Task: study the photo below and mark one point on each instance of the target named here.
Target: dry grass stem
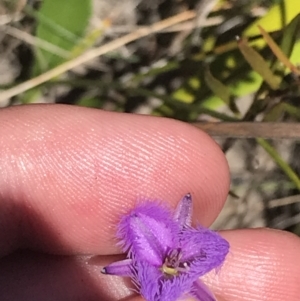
(29, 39)
(93, 53)
(284, 201)
(190, 25)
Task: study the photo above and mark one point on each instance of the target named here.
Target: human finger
(69, 173)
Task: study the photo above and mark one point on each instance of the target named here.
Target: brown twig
(268, 130)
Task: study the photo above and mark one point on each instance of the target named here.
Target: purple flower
(165, 255)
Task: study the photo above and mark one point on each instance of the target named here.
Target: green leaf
(220, 90)
(217, 87)
(289, 36)
(275, 112)
(62, 23)
(257, 62)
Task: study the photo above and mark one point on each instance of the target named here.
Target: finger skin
(32, 276)
(263, 265)
(69, 173)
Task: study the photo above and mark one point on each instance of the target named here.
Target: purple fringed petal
(119, 268)
(201, 292)
(184, 211)
(154, 286)
(148, 232)
(203, 249)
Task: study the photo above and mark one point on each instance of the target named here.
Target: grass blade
(258, 64)
(279, 161)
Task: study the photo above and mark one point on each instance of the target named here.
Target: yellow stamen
(169, 271)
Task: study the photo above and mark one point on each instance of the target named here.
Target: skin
(69, 173)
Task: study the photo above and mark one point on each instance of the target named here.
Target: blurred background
(229, 67)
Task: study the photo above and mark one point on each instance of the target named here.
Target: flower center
(172, 264)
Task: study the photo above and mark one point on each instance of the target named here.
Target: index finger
(68, 173)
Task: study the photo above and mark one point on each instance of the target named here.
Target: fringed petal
(153, 285)
(203, 250)
(148, 232)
